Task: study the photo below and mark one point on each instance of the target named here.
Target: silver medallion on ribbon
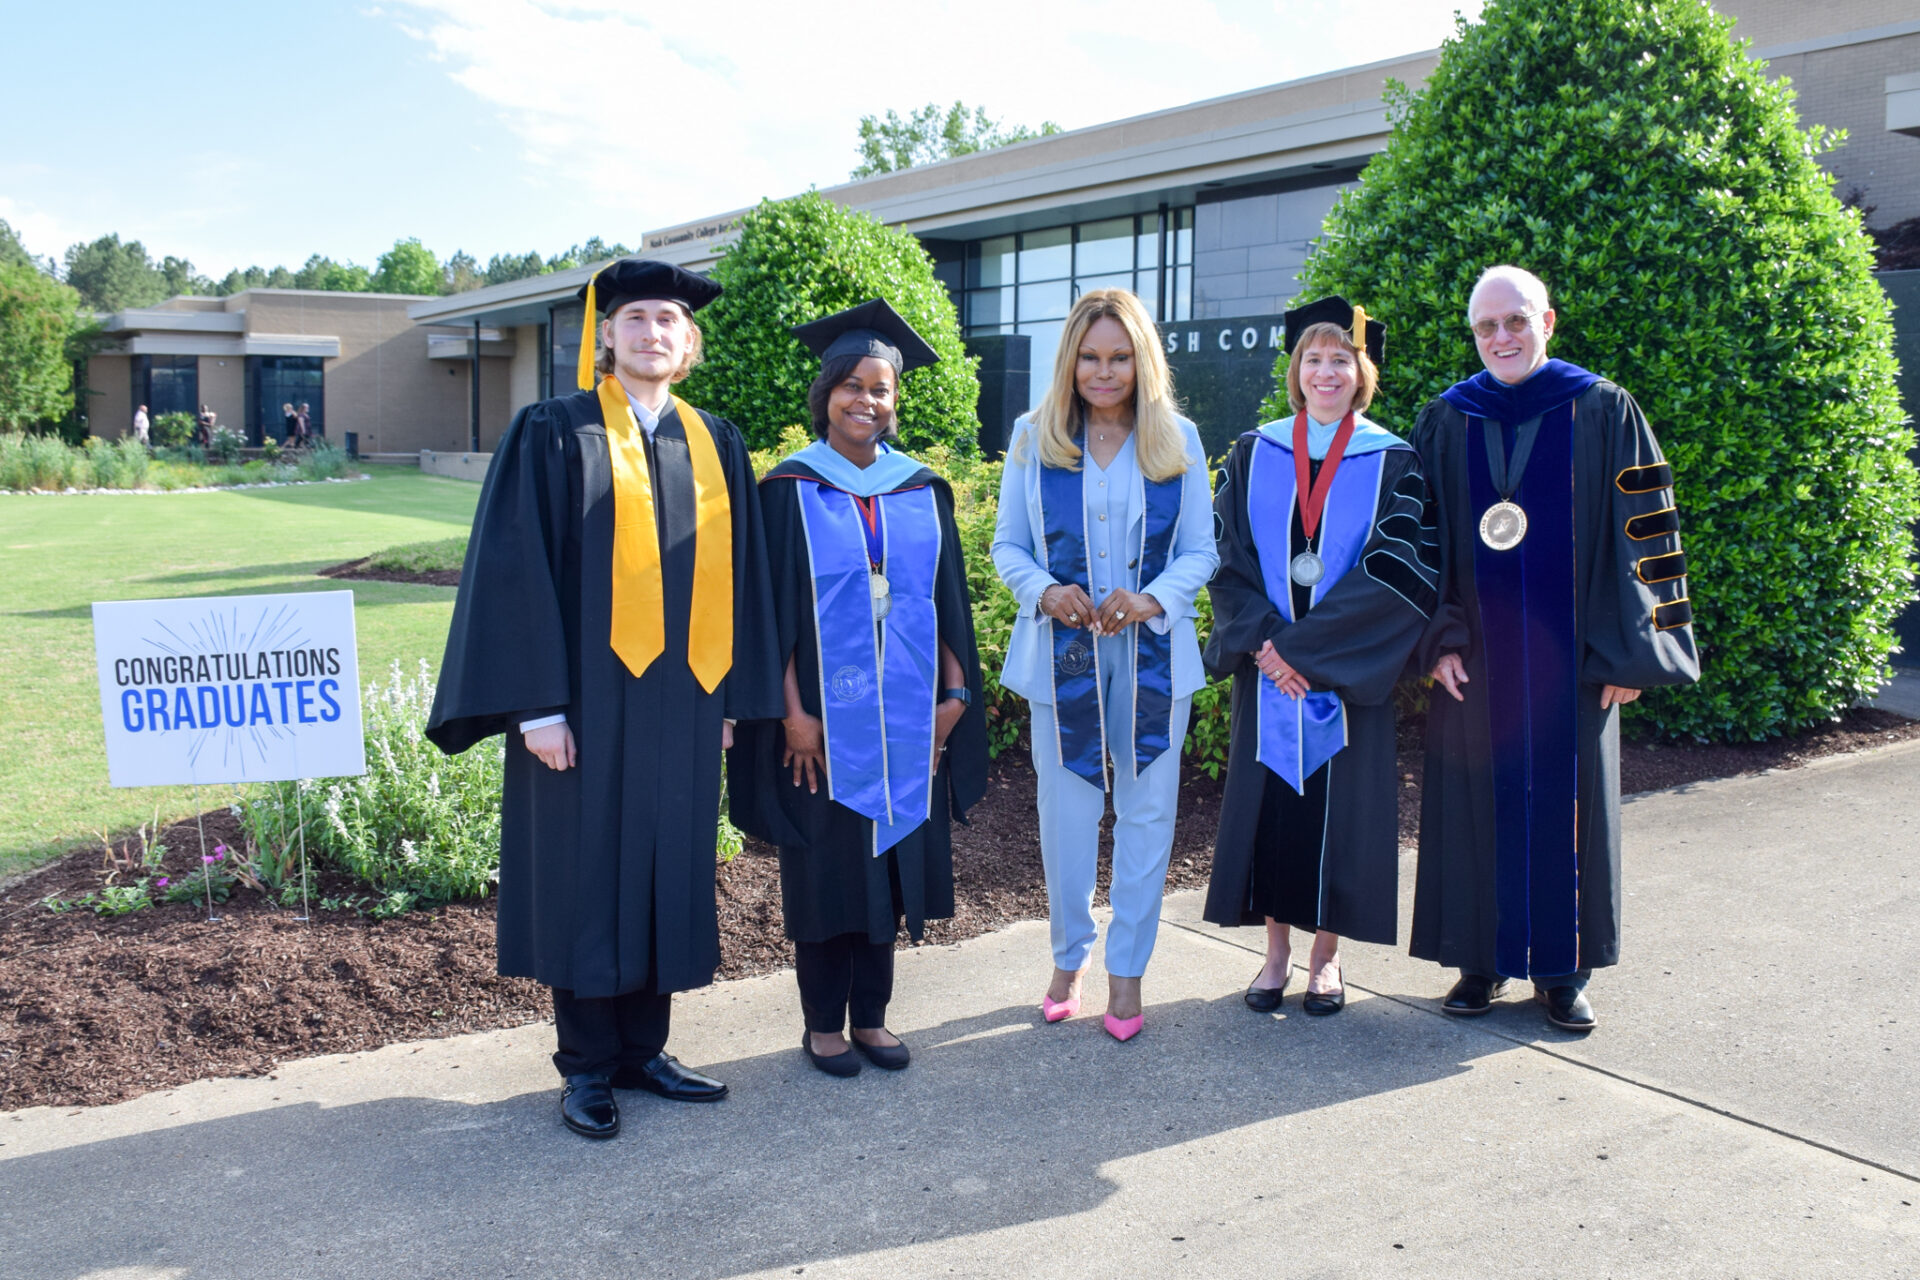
(1502, 525)
(882, 592)
(1307, 569)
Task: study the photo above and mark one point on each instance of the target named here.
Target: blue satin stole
(1079, 703)
(1299, 736)
(877, 680)
(1527, 601)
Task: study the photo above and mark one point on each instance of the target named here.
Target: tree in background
(408, 267)
(803, 258)
(1632, 156)
(255, 278)
(324, 273)
(935, 133)
(38, 319)
(111, 276)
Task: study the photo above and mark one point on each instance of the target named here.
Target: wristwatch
(963, 693)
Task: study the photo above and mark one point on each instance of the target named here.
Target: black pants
(844, 975)
(602, 1035)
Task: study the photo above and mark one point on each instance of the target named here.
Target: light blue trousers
(1143, 814)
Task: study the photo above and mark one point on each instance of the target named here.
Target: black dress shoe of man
(888, 1057)
(587, 1106)
(1473, 995)
(1567, 1007)
(663, 1074)
(843, 1064)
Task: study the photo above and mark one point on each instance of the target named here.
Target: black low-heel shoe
(1322, 1003)
(587, 1107)
(1267, 999)
(839, 1064)
(888, 1057)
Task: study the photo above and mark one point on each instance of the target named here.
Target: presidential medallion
(1307, 569)
(882, 594)
(1503, 525)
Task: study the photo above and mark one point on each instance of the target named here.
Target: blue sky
(238, 134)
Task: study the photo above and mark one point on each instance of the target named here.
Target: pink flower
(207, 858)
(162, 882)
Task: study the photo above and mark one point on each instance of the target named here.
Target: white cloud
(660, 113)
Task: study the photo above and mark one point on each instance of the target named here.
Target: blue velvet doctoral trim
(877, 682)
(1368, 436)
(1528, 633)
(889, 470)
(1079, 703)
(1550, 386)
(1297, 737)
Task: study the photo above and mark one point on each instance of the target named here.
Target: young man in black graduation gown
(1563, 595)
(847, 877)
(613, 618)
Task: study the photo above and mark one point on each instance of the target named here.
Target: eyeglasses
(1515, 323)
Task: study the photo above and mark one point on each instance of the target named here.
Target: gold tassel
(584, 375)
(1360, 328)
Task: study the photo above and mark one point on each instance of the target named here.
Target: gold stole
(639, 600)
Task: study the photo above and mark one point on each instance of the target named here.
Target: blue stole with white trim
(1298, 736)
(877, 680)
(1079, 705)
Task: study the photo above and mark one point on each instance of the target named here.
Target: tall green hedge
(1628, 153)
(805, 257)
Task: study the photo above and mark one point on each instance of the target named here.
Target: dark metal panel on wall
(1006, 364)
(1222, 370)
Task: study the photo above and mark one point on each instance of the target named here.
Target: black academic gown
(830, 882)
(1614, 639)
(1328, 859)
(607, 869)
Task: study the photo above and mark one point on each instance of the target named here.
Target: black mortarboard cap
(871, 329)
(1335, 309)
(629, 280)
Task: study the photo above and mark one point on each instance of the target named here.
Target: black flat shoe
(843, 1064)
(1322, 1003)
(665, 1075)
(888, 1057)
(588, 1108)
(1267, 999)
(1567, 1008)
(1473, 995)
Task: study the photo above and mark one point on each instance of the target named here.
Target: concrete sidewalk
(1749, 1107)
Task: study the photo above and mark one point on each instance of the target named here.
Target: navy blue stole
(877, 680)
(1528, 635)
(1298, 736)
(1079, 705)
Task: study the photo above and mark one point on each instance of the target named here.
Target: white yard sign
(229, 689)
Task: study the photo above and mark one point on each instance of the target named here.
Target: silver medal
(1503, 525)
(882, 594)
(1307, 569)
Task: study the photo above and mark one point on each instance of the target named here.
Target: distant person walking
(140, 425)
(203, 427)
(292, 433)
(305, 417)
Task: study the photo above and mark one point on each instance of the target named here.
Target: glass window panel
(990, 262)
(1147, 243)
(1050, 301)
(1046, 255)
(1147, 285)
(1182, 237)
(294, 380)
(1046, 338)
(1104, 248)
(989, 307)
(1118, 280)
(1182, 293)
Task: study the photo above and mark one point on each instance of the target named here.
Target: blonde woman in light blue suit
(1105, 537)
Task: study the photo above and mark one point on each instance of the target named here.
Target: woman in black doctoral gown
(882, 743)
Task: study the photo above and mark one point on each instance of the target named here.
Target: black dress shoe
(588, 1108)
(1267, 999)
(843, 1064)
(1473, 995)
(888, 1057)
(1322, 1003)
(1567, 1007)
(663, 1074)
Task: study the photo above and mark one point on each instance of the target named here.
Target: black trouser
(600, 1035)
(844, 975)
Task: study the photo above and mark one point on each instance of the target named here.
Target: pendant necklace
(1307, 568)
(879, 590)
(1504, 524)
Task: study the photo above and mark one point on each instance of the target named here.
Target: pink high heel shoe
(1125, 1029)
(1055, 1012)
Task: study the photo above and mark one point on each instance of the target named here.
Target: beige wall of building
(523, 371)
(109, 396)
(223, 387)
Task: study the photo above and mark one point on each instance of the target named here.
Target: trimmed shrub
(1631, 155)
(170, 430)
(805, 257)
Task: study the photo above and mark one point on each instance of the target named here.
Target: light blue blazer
(1017, 539)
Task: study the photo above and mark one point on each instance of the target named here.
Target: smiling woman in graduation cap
(1327, 578)
(882, 742)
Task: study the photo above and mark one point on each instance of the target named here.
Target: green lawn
(60, 554)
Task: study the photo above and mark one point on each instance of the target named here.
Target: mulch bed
(99, 1010)
(362, 571)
